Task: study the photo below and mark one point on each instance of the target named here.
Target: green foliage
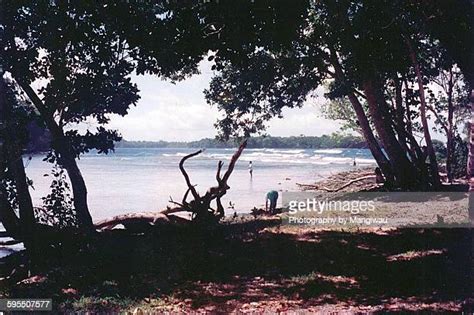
(459, 158)
(450, 91)
(335, 140)
(341, 109)
(84, 70)
(83, 143)
(460, 155)
(440, 150)
(58, 209)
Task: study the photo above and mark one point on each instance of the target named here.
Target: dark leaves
(102, 140)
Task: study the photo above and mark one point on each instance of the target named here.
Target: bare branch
(440, 119)
(358, 93)
(174, 202)
(218, 173)
(233, 160)
(186, 176)
(220, 208)
(185, 197)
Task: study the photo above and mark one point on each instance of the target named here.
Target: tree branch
(233, 160)
(186, 176)
(443, 125)
(218, 173)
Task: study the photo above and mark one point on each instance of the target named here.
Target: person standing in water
(250, 169)
(272, 197)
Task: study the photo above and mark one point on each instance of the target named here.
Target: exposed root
(200, 206)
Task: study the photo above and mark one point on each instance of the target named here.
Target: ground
(253, 265)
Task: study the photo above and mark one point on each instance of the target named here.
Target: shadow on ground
(253, 266)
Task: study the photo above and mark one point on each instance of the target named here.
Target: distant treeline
(40, 142)
(301, 142)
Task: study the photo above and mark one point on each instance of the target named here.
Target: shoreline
(139, 180)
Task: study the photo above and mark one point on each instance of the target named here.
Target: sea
(146, 179)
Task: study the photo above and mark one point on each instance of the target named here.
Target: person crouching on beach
(272, 197)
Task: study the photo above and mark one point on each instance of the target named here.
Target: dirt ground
(255, 265)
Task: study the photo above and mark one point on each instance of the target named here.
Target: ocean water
(143, 179)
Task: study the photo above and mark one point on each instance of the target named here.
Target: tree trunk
(400, 111)
(25, 204)
(416, 153)
(364, 124)
(405, 172)
(424, 122)
(13, 150)
(79, 188)
(470, 162)
(200, 207)
(67, 158)
(404, 137)
(10, 221)
(449, 131)
(372, 142)
(409, 126)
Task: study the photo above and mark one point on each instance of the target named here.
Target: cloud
(179, 111)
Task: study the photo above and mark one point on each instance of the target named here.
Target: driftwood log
(200, 207)
(317, 187)
(139, 221)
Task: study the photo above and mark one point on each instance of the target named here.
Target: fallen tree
(319, 187)
(200, 207)
(139, 221)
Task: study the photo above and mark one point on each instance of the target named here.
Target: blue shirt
(272, 195)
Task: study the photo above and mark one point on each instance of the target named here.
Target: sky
(179, 112)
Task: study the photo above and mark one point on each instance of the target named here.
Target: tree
(200, 207)
(423, 118)
(85, 76)
(7, 214)
(341, 109)
(364, 47)
(451, 23)
(280, 72)
(15, 138)
(81, 54)
(447, 101)
(470, 161)
(14, 184)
